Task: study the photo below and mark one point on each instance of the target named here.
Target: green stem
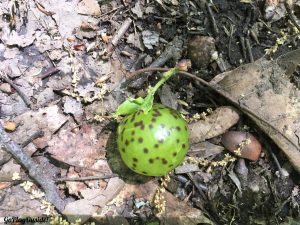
(133, 105)
(148, 102)
(165, 77)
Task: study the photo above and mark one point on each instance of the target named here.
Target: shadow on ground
(117, 165)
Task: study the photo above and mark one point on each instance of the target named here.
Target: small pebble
(10, 126)
(6, 88)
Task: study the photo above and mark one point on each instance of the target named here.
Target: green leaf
(129, 106)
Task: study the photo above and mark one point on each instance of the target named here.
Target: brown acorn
(242, 144)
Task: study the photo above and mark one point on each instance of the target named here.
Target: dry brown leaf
(177, 212)
(9, 169)
(79, 209)
(142, 191)
(4, 157)
(77, 187)
(73, 107)
(204, 149)
(215, 124)
(81, 147)
(93, 199)
(73, 186)
(89, 7)
(48, 119)
(101, 197)
(187, 168)
(167, 97)
(18, 202)
(274, 10)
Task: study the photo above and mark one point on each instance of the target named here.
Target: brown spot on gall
(140, 140)
(134, 159)
(164, 161)
(146, 150)
(151, 161)
(156, 113)
(156, 146)
(126, 142)
(174, 154)
(139, 124)
(133, 118)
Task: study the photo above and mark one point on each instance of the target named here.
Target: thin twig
(242, 41)
(221, 93)
(100, 177)
(22, 95)
(50, 72)
(211, 15)
(269, 149)
(62, 179)
(111, 11)
(291, 15)
(232, 30)
(42, 9)
(115, 40)
(29, 140)
(172, 51)
(35, 135)
(34, 170)
(249, 49)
